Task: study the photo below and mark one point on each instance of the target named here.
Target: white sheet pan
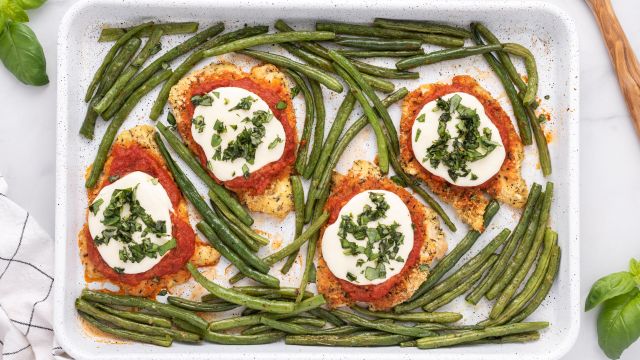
(546, 30)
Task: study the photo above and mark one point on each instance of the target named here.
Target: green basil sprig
(20, 50)
(619, 318)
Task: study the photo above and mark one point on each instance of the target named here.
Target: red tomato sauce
(127, 159)
(257, 181)
(345, 192)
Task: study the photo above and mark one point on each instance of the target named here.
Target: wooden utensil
(622, 56)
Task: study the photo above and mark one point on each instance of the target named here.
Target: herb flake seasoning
(468, 146)
(382, 241)
(244, 104)
(123, 217)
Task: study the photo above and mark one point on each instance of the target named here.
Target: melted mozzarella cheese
(483, 168)
(153, 198)
(224, 99)
(340, 264)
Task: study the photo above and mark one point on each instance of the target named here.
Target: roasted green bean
(126, 334)
(109, 77)
(182, 69)
(379, 53)
(298, 206)
(536, 242)
(138, 302)
(466, 270)
(422, 27)
(112, 130)
(420, 317)
(462, 288)
(222, 230)
(378, 44)
(139, 317)
(307, 70)
(159, 63)
(96, 313)
(291, 247)
(233, 258)
(173, 28)
(473, 335)
(505, 255)
(444, 55)
(364, 30)
(383, 153)
(97, 77)
(151, 47)
(194, 164)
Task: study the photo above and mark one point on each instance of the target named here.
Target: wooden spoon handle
(622, 56)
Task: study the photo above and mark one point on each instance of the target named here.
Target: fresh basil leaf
(619, 323)
(21, 53)
(12, 10)
(634, 269)
(609, 287)
(30, 4)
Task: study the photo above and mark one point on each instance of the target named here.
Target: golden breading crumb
(277, 198)
(507, 186)
(204, 254)
(434, 247)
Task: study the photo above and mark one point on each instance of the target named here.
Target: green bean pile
(515, 270)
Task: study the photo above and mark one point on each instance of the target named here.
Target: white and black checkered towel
(26, 282)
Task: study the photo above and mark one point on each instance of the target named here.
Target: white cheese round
(424, 133)
(341, 264)
(224, 99)
(153, 198)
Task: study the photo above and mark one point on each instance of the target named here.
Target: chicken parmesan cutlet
(378, 241)
(242, 126)
(461, 143)
(137, 233)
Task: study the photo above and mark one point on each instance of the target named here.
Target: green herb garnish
(201, 100)
(382, 241)
(245, 170)
(281, 105)
(198, 123)
(468, 146)
(95, 206)
(215, 140)
(275, 143)
(244, 104)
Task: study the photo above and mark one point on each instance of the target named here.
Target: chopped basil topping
(420, 118)
(114, 178)
(245, 170)
(202, 100)
(198, 122)
(245, 145)
(382, 241)
(281, 105)
(216, 94)
(119, 270)
(215, 140)
(418, 134)
(244, 104)
(162, 292)
(468, 146)
(275, 142)
(234, 127)
(219, 127)
(95, 206)
(351, 277)
(136, 252)
(123, 217)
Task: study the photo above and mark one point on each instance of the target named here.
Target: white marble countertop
(609, 158)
